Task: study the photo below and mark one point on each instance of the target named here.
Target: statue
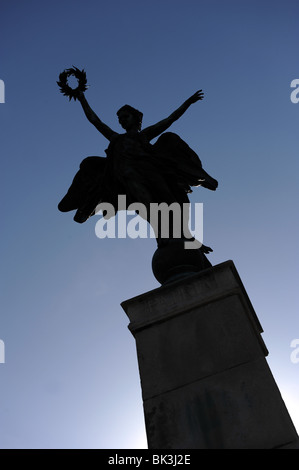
(145, 173)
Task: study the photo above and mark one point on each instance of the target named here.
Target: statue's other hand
(199, 95)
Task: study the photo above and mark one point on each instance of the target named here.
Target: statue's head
(129, 117)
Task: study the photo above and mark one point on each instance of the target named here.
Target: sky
(70, 377)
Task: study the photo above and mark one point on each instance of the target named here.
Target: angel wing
(90, 186)
(182, 162)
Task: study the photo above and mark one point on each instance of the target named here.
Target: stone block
(205, 381)
(240, 408)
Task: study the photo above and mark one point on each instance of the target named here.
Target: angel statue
(144, 172)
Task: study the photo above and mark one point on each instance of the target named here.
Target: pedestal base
(204, 377)
(173, 261)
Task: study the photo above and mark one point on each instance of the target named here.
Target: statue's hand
(196, 97)
(81, 95)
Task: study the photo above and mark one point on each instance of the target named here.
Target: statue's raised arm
(94, 119)
(155, 130)
(78, 94)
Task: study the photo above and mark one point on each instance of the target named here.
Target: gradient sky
(70, 378)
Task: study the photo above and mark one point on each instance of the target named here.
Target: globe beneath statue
(173, 261)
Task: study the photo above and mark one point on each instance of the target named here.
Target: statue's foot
(161, 242)
(205, 249)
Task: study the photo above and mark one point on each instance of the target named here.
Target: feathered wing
(90, 186)
(182, 163)
(191, 172)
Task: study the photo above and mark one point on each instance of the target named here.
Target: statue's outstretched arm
(161, 126)
(95, 120)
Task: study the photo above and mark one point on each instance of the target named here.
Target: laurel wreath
(64, 86)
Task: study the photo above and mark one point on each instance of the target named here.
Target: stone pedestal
(204, 377)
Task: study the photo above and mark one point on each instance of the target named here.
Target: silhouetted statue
(161, 172)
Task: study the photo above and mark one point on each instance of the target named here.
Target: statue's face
(127, 120)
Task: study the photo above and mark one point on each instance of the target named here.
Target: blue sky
(70, 378)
